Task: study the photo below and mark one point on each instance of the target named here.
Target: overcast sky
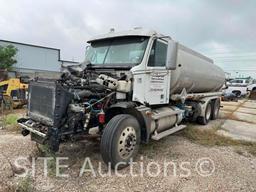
(224, 30)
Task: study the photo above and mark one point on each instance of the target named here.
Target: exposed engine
(72, 104)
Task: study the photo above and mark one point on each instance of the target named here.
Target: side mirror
(171, 57)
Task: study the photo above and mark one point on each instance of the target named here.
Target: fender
(141, 113)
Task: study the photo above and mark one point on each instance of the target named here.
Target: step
(158, 136)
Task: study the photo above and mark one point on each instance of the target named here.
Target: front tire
(120, 141)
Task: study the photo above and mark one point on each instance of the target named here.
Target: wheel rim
(208, 112)
(127, 142)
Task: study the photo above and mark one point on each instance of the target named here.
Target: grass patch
(25, 185)
(44, 151)
(11, 119)
(209, 137)
(9, 122)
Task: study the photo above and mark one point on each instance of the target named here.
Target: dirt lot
(232, 166)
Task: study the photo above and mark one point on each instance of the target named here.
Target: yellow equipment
(13, 93)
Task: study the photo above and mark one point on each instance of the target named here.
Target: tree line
(7, 57)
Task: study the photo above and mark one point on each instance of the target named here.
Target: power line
(228, 52)
(251, 70)
(234, 59)
(231, 53)
(234, 56)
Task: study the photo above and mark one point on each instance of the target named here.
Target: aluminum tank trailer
(133, 86)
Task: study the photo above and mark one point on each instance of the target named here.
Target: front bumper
(32, 130)
(28, 127)
(40, 134)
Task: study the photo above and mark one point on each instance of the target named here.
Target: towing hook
(24, 132)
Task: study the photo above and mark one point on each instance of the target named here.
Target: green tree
(7, 56)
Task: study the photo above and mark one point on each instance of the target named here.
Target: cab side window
(158, 54)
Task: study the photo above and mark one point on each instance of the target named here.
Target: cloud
(205, 25)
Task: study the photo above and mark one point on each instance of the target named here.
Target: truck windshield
(124, 50)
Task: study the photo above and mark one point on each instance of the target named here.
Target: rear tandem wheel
(204, 120)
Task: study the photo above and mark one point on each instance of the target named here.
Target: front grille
(48, 102)
(41, 102)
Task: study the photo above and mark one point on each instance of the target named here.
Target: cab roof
(133, 32)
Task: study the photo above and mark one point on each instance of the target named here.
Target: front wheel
(120, 141)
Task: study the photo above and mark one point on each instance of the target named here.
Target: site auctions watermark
(204, 167)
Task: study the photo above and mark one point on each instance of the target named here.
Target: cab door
(152, 78)
(157, 86)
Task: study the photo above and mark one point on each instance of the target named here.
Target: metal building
(34, 60)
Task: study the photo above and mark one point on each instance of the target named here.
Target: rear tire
(203, 120)
(120, 141)
(215, 109)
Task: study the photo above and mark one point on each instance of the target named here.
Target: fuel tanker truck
(133, 86)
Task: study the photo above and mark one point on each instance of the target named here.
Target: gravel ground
(229, 168)
(233, 171)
